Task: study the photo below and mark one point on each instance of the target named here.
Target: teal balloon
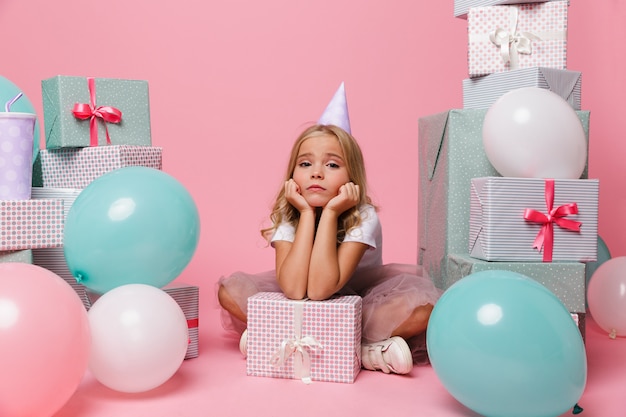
(603, 255)
(503, 345)
(134, 225)
(8, 90)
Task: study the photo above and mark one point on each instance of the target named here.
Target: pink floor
(215, 384)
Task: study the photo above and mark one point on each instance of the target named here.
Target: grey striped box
(461, 7)
(499, 232)
(482, 92)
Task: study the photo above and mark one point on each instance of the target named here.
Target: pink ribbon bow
(545, 237)
(85, 111)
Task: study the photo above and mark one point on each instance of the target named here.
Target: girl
(327, 240)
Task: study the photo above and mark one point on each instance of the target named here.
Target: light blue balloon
(505, 346)
(603, 255)
(134, 225)
(8, 90)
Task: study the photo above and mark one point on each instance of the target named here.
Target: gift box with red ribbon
(78, 167)
(31, 224)
(87, 111)
(304, 339)
(533, 219)
(502, 38)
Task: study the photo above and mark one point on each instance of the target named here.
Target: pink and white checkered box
(502, 38)
(78, 167)
(31, 224)
(304, 339)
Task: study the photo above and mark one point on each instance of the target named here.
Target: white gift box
(520, 219)
(482, 92)
(304, 339)
(503, 38)
(461, 7)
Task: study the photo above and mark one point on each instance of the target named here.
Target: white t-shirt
(368, 232)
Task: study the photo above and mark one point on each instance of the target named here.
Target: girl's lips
(316, 188)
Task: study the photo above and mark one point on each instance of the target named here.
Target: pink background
(232, 83)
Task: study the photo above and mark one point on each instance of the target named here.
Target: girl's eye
(333, 165)
(304, 164)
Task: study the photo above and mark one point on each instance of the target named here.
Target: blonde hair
(283, 211)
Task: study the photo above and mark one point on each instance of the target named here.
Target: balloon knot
(78, 278)
(613, 334)
(577, 409)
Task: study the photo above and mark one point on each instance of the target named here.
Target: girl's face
(320, 169)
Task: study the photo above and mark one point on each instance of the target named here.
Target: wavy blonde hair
(283, 211)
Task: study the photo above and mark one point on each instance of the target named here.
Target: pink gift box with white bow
(304, 339)
(503, 38)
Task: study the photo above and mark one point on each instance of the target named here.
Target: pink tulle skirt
(390, 293)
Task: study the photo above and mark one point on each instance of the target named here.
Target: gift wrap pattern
(31, 224)
(78, 167)
(482, 92)
(451, 153)
(304, 339)
(63, 129)
(500, 231)
(24, 256)
(461, 7)
(503, 38)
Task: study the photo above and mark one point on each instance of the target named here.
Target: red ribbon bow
(545, 237)
(84, 111)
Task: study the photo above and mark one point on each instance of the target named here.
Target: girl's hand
(348, 197)
(293, 196)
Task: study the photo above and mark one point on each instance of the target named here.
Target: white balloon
(534, 133)
(139, 338)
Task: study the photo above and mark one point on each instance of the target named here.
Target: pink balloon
(534, 133)
(140, 338)
(606, 296)
(44, 341)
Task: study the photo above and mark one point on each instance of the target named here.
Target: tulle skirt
(390, 293)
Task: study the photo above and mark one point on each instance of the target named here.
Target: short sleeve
(369, 231)
(284, 231)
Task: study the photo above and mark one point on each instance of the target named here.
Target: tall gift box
(533, 219)
(87, 111)
(461, 7)
(78, 167)
(502, 38)
(451, 153)
(482, 92)
(304, 339)
(565, 279)
(31, 224)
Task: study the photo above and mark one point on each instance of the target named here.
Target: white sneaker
(243, 343)
(391, 355)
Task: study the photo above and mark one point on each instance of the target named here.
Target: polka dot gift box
(87, 111)
(304, 339)
(31, 224)
(461, 7)
(503, 38)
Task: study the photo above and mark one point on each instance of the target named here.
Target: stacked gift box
(94, 126)
(469, 214)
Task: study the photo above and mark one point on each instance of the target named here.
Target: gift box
(31, 224)
(482, 92)
(53, 259)
(187, 298)
(87, 111)
(533, 219)
(565, 279)
(78, 167)
(68, 195)
(23, 256)
(461, 7)
(502, 38)
(450, 154)
(304, 339)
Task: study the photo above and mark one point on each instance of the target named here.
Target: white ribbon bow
(298, 346)
(511, 42)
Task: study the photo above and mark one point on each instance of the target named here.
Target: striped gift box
(31, 224)
(503, 38)
(304, 339)
(482, 92)
(506, 219)
(78, 167)
(461, 7)
(188, 297)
